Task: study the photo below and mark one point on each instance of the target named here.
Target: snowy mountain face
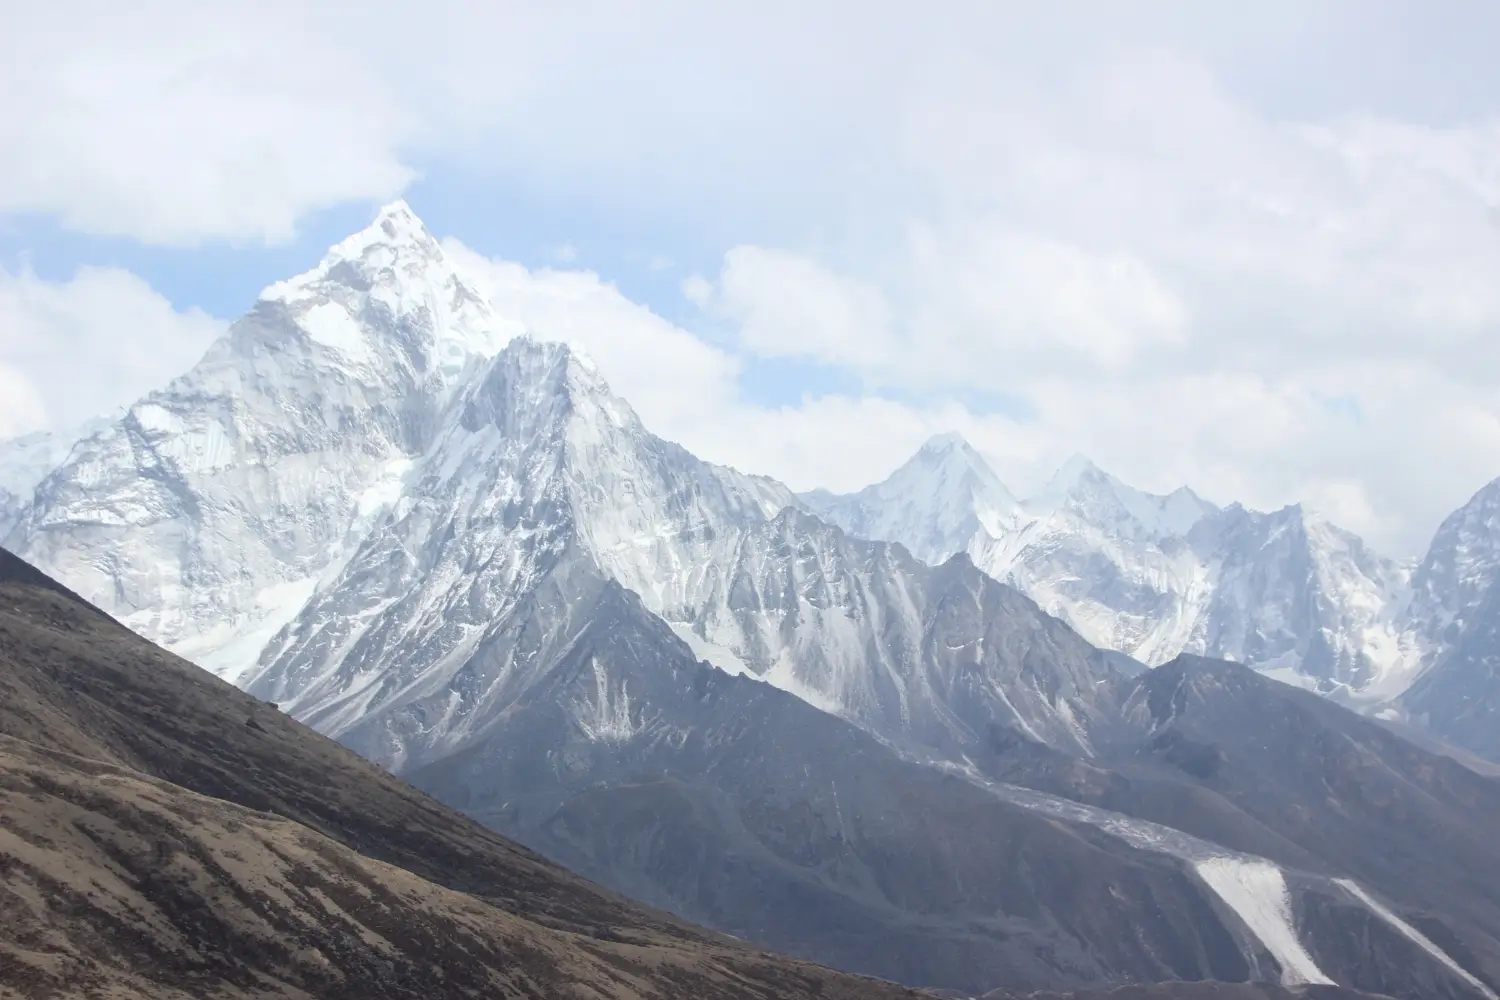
(1304, 601)
(1454, 613)
(933, 504)
(464, 596)
(1155, 576)
(25, 461)
(207, 515)
(1459, 569)
(465, 591)
(455, 549)
(373, 503)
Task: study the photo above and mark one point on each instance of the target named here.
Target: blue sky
(1249, 250)
(224, 278)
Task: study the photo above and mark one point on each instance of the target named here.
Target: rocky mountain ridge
(449, 545)
(1156, 576)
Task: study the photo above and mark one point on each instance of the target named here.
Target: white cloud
(787, 305)
(697, 290)
(687, 390)
(23, 410)
(175, 121)
(75, 349)
(1013, 300)
(1042, 299)
(671, 377)
(1190, 290)
(1210, 244)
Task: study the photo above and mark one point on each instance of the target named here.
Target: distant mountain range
(908, 732)
(1153, 577)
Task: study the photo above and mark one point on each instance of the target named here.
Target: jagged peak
(1186, 493)
(947, 443)
(530, 373)
(1081, 485)
(1312, 519)
(395, 226)
(1484, 500)
(1078, 471)
(951, 458)
(395, 262)
(575, 359)
(399, 211)
(1077, 480)
(396, 236)
(953, 448)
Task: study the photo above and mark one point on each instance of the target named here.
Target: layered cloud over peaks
(1053, 235)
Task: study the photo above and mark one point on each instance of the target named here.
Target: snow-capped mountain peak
(1077, 473)
(1153, 576)
(396, 231)
(1462, 563)
(539, 480)
(949, 460)
(393, 274)
(1454, 614)
(950, 443)
(949, 467)
(396, 240)
(1083, 488)
(226, 497)
(932, 504)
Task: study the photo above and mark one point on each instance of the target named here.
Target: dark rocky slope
(164, 835)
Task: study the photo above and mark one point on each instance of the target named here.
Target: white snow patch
(329, 324)
(1288, 670)
(1253, 887)
(1417, 937)
(1070, 719)
(607, 720)
(1256, 890)
(156, 419)
(386, 490)
(719, 656)
(999, 688)
(231, 650)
